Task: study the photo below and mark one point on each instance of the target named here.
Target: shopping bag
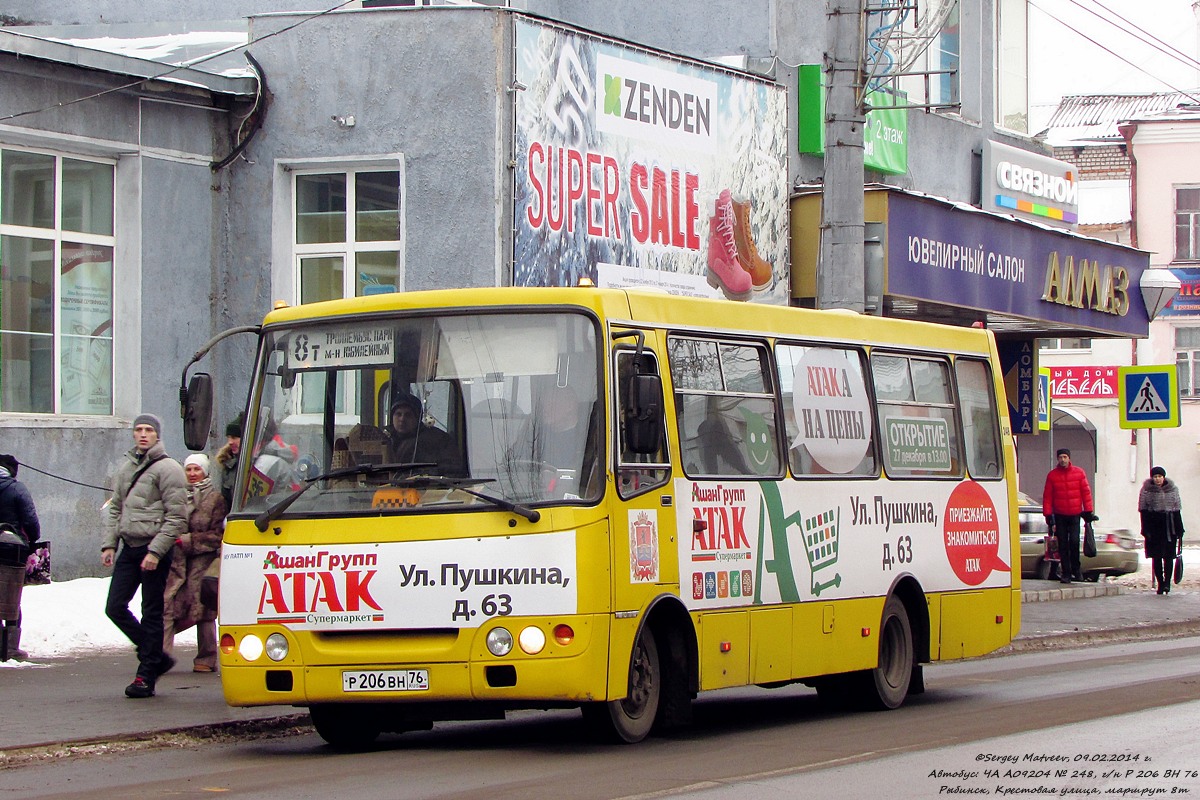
(37, 565)
(1089, 540)
(1051, 551)
(208, 584)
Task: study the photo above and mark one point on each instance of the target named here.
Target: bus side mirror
(644, 416)
(197, 411)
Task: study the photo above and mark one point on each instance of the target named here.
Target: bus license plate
(385, 680)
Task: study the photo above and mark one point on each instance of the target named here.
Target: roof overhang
(108, 56)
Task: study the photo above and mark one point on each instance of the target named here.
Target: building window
(1072, 343)
(56, 284)
(930, 75)
(1187, 223)
(1012, 52)
(1187, 361)
(348, 234)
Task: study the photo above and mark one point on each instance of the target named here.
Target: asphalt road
(743, 741)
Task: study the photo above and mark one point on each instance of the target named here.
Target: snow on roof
(209, 48)
(1094, 117)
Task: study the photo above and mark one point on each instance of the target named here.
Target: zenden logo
(660, 106)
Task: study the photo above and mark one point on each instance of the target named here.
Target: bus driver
(410, 440)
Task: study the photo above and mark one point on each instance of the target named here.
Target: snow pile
(67, 618)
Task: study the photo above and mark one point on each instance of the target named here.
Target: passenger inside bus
(410, 440)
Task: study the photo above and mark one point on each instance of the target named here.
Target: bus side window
(827, 411)
(726, 408)
(917, 423)
(981, 434)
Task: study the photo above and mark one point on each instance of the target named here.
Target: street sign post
(1043, 399)
(1148, 396)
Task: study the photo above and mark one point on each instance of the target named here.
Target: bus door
(643, 509)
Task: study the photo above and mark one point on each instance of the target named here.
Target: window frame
(770, 393)
(60, 237)
(957, 451)
(993, 418)
(919, 81)
(864, 361)
(1188, 389)
(1193, 224)
(348, 249)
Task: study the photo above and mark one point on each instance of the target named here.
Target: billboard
(950, 254)
(635, 169)
(1187, 302)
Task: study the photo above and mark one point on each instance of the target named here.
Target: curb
(239, 730)
(1071, 591)
(1083, 638)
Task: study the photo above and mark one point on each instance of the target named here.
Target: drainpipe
(1128, 131)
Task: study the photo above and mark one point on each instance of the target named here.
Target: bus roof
(659, 309)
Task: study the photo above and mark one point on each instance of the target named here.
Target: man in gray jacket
(146, 514)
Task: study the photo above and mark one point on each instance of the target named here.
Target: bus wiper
(460, 484)
(263, 520)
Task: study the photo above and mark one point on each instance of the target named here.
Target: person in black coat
(1162, 524)
(17, 509)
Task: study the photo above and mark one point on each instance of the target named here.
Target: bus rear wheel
(886, 685)
(631, 719)
(345, 727)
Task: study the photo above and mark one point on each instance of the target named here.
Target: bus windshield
(425, 413)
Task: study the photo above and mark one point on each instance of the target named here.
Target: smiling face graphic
(760, 444)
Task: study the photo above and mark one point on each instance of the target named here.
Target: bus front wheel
(345, 727)
(886, 686)
(630, 719)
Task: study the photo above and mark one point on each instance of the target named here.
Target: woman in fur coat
(1162, 525)
(194, 552)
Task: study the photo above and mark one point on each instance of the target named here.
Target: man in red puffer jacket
(1067, 499)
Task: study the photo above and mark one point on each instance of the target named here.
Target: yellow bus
(457, 503)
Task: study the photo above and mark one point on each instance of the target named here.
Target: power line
(1141, 34)
(178, 68)
(61, 478)
(1083, 35)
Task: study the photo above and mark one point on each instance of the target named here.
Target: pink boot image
(725, 272)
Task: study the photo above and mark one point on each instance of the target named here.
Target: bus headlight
(250, 648)
(532, 640)
(277, 647)
(499, 641)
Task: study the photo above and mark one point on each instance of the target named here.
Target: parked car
(1117, 549)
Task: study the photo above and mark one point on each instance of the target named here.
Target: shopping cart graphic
(821, 547)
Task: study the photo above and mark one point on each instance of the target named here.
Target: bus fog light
(532, 640)
(250, 648)
(563, 634)
(277, 647)
(499, 641)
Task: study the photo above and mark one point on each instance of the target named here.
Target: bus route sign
(1148, 396)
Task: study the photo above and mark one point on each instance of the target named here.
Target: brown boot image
(760, 270)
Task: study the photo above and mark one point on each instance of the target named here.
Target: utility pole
(840, 272)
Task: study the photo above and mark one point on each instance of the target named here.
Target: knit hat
(151, 420)
(407, 400)
(9, 463)
(1062, 451)
(198, 459)
(234, 429)
(1157, 471)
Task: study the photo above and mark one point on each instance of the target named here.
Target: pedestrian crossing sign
(1148, 396)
